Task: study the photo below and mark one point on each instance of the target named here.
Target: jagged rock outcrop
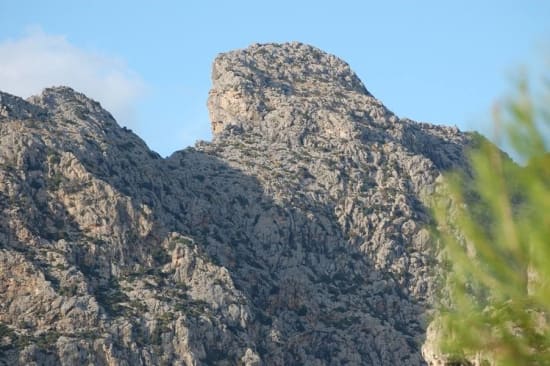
(297, 236)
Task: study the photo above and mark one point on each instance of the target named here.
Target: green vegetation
(110, 296)
(160, 255)
(5, 331)
(494, 224)
(46, 340)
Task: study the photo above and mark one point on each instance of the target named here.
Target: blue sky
(149, 62)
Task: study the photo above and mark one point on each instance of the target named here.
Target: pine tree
(494, 225)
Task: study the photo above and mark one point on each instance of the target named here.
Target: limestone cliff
(296, 237)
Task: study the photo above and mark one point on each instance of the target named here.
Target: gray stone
(297, 236)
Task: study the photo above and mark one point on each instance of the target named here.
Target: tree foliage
(494, 224)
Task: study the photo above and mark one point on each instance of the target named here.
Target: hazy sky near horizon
(149, 62)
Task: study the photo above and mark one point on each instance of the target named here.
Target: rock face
(296, 237)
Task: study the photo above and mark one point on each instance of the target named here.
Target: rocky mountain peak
(289, 92)
(296, 237)
(66, 104)
(16, 108)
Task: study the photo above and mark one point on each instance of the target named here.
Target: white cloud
(39, 60)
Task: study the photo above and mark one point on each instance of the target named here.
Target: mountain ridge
(297, 236)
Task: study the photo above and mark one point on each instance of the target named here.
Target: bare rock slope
(296, 237)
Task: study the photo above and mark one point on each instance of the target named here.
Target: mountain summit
(296, 237)
(319, 93)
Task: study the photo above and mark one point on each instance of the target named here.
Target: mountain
(298, 236)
